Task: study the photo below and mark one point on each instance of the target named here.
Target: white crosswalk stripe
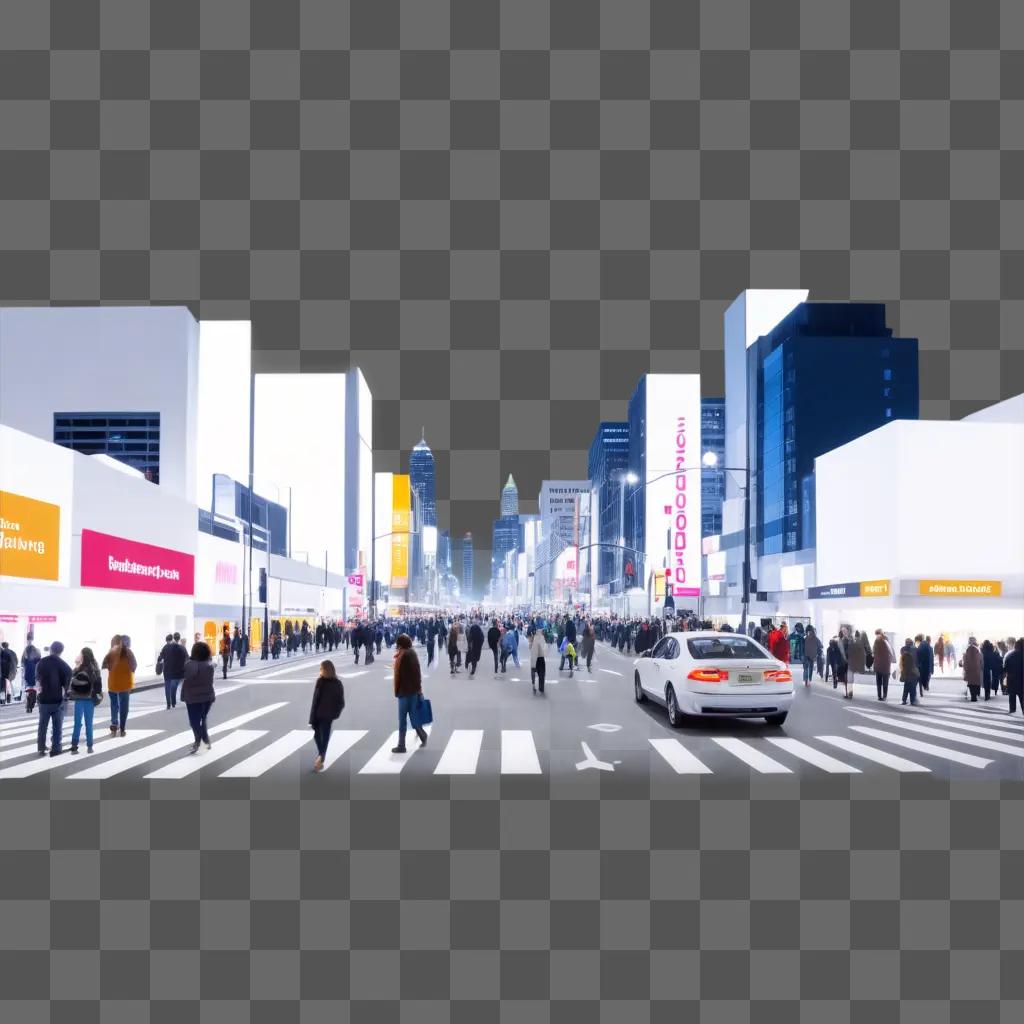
(384, 762)
(900, 764)
(984, 726)
(1001, 721)
(956, 735)
(925, 748)
(263, 760)
(462, 753)
(811, 756)
(29, 725)
(519, 753)
(194, 762)
(679, 759)
(343, 740)
(754, 758)
(170, 745)
(38, 765)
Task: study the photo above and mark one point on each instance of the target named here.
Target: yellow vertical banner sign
(401, 515)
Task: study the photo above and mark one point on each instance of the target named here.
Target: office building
(712, 478)
(422, 475)
(509, 498)
(358, 471)
(607, 464)
(468, 588)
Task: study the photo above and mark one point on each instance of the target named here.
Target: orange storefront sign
(874, 588)
(29, 537)
(960, 588)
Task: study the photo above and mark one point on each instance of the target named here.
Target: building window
(887, 374)
(888, 413)
(130, 437)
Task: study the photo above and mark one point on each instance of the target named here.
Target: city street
(487, 728)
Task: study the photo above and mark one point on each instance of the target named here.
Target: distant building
(606, 465)
(422, 475)
(509, 498)
(467, 565)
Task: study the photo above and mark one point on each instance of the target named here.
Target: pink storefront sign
(115, 563)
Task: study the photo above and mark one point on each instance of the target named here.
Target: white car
(706, 673)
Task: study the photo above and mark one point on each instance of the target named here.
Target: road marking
(192, 763)
(590, 760)
(45, 764)
(945, 734)
(384, 762)
(605, 727)
(611, 671)
(343, 740)
(18, 730)
(1005, 729)
(679, 759)
(811, 756)
(304, 667)
(461, 753)
(900, 764)
(518, 753)
(263, 760)
(746, 753)
(170, 745)
(925, 748)
(1004, 722)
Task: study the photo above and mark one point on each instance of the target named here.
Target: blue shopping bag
(422, 713)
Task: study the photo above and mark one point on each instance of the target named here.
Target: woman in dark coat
(587, 643)
(197, 692)
(991, 669)
(328, 704)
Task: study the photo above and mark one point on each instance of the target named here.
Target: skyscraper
(712, 479)
(421, 473)
(606, 465)
(509, 498)
(467, 565)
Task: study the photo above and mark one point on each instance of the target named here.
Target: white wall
(300, 443)
(1009, 411)
(880, 516)
(105, 359)
(222, 406)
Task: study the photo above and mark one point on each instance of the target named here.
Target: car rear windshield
(716, 648)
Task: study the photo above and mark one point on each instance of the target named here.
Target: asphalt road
(494, 731)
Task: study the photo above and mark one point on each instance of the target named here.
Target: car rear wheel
(675, 716)
(776, 719)
(638, 690)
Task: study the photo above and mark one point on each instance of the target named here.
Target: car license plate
(745, 677)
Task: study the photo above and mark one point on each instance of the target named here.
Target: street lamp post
(632, 479)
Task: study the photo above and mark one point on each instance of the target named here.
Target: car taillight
(783, 676)
(708, 675)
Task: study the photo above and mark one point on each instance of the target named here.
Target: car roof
(706, 634)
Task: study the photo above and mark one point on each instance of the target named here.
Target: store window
(130, 437)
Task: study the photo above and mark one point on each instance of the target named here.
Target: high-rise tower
(509, 498)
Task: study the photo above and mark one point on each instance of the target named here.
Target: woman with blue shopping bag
(409, 692)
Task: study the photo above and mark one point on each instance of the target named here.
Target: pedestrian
(971, 663)
(856, 658)
(86, 690)
(225, 651)
(8, 672)
(883, 659)
(408, 690)
(170, 663)
(925, 663)
(909, 673)
(839, 666)
(812, 649)
(940, 652)
(453, 645)
(328, 704)
(778, 643)
(538, 665)
(493, 639)
(29, 660)
(120, 666)
(53, 677)
(1013, 672)
(430, 637)
(587, 642)
(991, 668)
(476, 646)
(567, 651)
(508, 643)
(197, 692)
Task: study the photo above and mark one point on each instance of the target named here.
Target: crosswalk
(247, 746)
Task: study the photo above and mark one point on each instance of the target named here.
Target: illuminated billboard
(401, 516)
(672, 480)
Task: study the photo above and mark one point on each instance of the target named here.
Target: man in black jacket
(475, 646)
(493, 636)
(53, 677)
(171, 662)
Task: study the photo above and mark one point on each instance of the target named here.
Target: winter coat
(408, 679)
(476, 639)
(836, 655)
(172, 660)
(1013, 667)
(925, 660)
(493, 636)
(780, 646)
(908, 665)
(587, 643)
(971, 662)
(812, 646)
(538, 648)
(86, 684)
(120, 671)
(508, 641)
(197, 683)
(53, 676)
(328, 700)
(570, 631)
(29, 660)
(992, 667)
(883, 656)
(856, 655)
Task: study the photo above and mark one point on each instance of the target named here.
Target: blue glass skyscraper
(422, 480)
(606, 465)
(712, 480)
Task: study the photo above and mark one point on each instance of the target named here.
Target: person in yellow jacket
(120, 665)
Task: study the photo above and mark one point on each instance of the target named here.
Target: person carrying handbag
(86, 690)
(408, 690)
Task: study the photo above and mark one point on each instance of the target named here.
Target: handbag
(423, 712)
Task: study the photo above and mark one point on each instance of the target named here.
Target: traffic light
(263, 586)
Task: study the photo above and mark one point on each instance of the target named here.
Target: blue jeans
(50, 713)
(171, 691)
(119, 709)
(808, 669)
(197, 719)
(83, 709)
(406, 706)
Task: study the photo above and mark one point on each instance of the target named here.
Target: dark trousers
(30, 700)
(494, 651)
(430, 655)
(590, 658)
(504, 659)
(50, 713)
(1014, 697)
(226, 660)
(452, 656)
(882, 684)
(171, 691)
(197, 719)
(974, 691)
(322, 735)
(540, 669)
(910, 690)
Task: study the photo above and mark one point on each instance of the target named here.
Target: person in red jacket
(778, 644)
